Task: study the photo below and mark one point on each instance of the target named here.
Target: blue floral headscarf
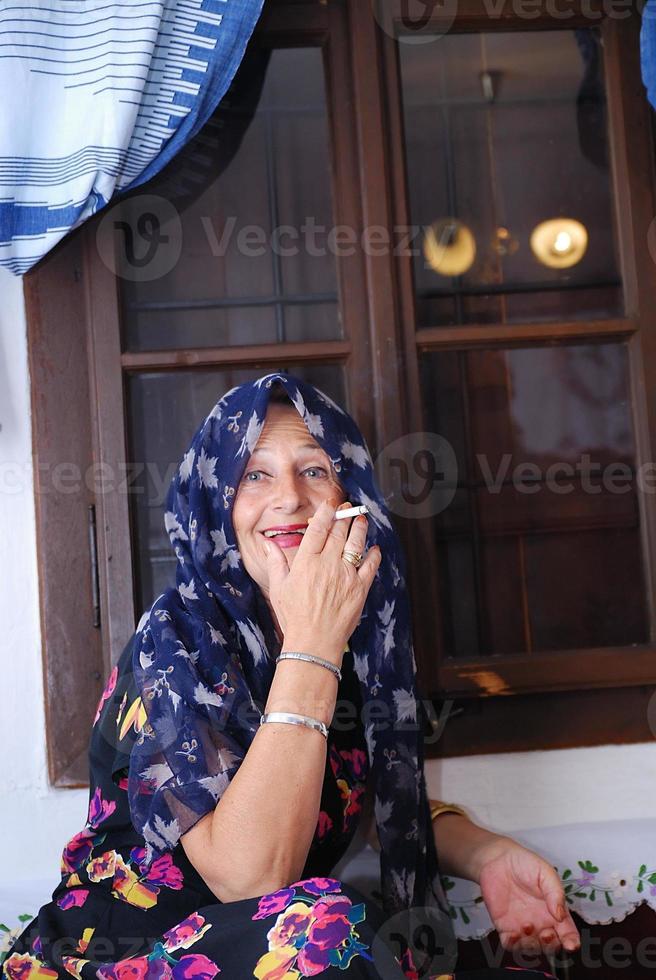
(204, 654)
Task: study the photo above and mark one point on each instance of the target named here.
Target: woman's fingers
(356, 539)
(549, 941)
(568, 935)
(318, 528)
(369, 566)
(338, 533)
(277, 566)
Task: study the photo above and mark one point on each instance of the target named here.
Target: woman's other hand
(525, 899)
(319, 600)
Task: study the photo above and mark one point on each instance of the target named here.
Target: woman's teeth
(272, 534)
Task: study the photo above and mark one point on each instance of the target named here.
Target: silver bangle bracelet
(310, 658)
(292, 719)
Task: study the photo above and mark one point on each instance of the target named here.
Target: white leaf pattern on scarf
(215, 784)
(159, 773)
(374, 509)
(406, 705)
(187, 465)
(188, 591)
(205, 467)
(254, 640)
(358, 454)
(252, 435)
(174, 528)
(202, 695)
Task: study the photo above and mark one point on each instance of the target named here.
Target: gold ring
(353, 558)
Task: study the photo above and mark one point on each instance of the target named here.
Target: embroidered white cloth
(97, 97)
(607, 870)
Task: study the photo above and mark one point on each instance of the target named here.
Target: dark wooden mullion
(630, 126)
(347, 211)
(242, 355)
(106, 383)
(61, 434)
(489, 335)
(389, 380)
(550, 670)
(429, 611)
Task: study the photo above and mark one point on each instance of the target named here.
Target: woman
(212, 830)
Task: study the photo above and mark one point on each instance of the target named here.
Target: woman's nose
(289, 494)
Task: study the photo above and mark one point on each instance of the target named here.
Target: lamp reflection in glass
(559, 243)
(449, 247)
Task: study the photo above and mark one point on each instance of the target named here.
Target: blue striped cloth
(97, 98)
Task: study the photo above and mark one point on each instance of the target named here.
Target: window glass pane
(539, 548)
(164, 410)
(508, 178)
(255, 265)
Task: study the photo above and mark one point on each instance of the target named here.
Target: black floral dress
(117, 916)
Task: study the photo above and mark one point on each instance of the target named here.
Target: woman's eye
(258, 473)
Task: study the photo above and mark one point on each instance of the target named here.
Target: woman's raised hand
(318, 601)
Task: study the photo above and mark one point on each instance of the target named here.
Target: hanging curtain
(97, 98)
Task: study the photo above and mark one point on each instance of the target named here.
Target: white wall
(507, 792)
(35, 819)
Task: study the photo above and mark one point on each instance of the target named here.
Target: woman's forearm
(258, 837)
(463, 846)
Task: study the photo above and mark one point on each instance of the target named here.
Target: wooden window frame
(593, 677)
(79, 409)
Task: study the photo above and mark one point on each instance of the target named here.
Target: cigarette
(351, 512)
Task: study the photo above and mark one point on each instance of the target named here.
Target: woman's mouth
(286, 538)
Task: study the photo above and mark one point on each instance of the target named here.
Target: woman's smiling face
(287, 476)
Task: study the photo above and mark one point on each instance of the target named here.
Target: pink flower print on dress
(318, 886)
(164, 872)
(355, 760)
(291, 924)
(408, 966)
(332, 903)
(102, 867)
(195, 966)
(325, 934)
(133, 969)
(274, 902)
(186, 933)
(77, 851)
(73, 965)
(324, 824)
(73, 899)
(330, 931)
(354, 804)
(107, 693)
(127, 886)
(99, 809)
(23, 966)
